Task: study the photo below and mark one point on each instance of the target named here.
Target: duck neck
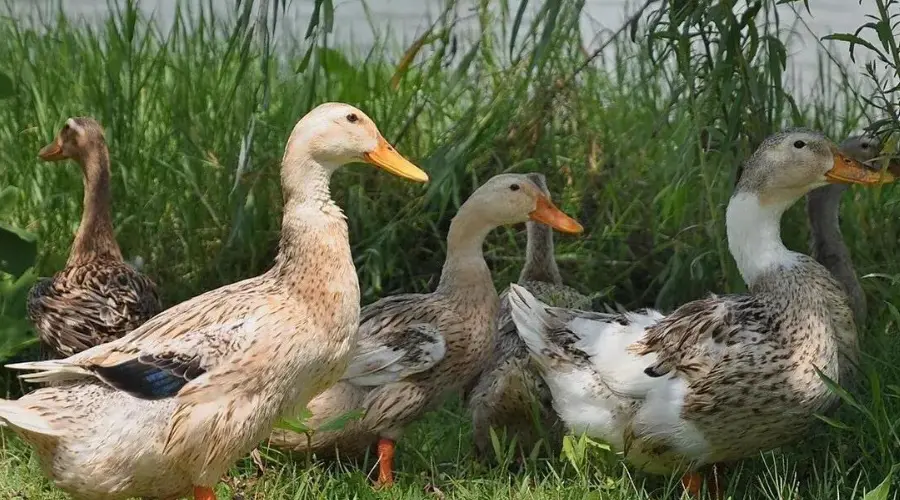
(310, 215)
(95, 237)
(827, 242)
(754, 235)
(540, 263)
(464, 267)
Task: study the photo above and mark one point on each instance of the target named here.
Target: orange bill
(385, 157)
(52, 152)
(846, 170)
(547, 213)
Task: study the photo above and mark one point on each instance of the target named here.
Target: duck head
(335, 134)
(77, 137)
(513, 198)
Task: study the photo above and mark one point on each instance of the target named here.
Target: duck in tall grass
(415, 349)
(165, 410)
(720, 378)
(509, 394)
(827, 244)
(97, 297)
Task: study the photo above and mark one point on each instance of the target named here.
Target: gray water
(403, 20)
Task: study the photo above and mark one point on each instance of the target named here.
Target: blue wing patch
(152, 377)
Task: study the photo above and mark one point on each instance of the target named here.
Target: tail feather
(15, 414)
(55, 370)
(533, 323)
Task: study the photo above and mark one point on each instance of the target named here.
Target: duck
(509, 394)
(827, 244)
(415, 349)
(98, 296)
(724, 377)
(164, 411)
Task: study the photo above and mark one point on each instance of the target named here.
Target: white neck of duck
(540, 263)
(754, 235)
(309, 212)
(464, 267)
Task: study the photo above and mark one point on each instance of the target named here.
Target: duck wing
(173, 349)
(629, 352)
(91, 304)
(398, 338)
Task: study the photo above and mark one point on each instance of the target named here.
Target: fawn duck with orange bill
(163, 411)
(415, 349)
(509, 395)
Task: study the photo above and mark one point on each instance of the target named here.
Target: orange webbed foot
(385, 463)
(715, 485)
(204, 493)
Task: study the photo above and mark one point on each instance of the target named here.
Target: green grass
(623, 150)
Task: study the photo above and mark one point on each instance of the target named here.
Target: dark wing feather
(152, 376)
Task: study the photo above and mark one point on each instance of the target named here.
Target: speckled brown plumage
(97, 297)
(720, 378)
(90, 304)
(395, 376)
(169, 407)
(509, 395)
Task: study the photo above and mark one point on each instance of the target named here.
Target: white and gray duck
(725, 377)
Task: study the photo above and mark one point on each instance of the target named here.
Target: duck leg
(693, 483)
(204, 493)
(385, 463)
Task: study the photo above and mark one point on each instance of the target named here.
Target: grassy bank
(644, 153)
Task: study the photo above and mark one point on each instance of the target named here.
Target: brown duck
(509, 394)
(415, 349)
(97, 297)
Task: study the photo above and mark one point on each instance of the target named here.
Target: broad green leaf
(8, 197)
(296, 423)
(17, 250)
(571, 453)
(883, 490)
(341, 421)
(6, 86)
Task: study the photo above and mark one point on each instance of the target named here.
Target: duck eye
(514, 187)
(352, 118)
(799, 144)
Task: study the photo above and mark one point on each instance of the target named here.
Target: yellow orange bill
(547, 213)
(52, 152)
(385, 157)
(846, 170)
